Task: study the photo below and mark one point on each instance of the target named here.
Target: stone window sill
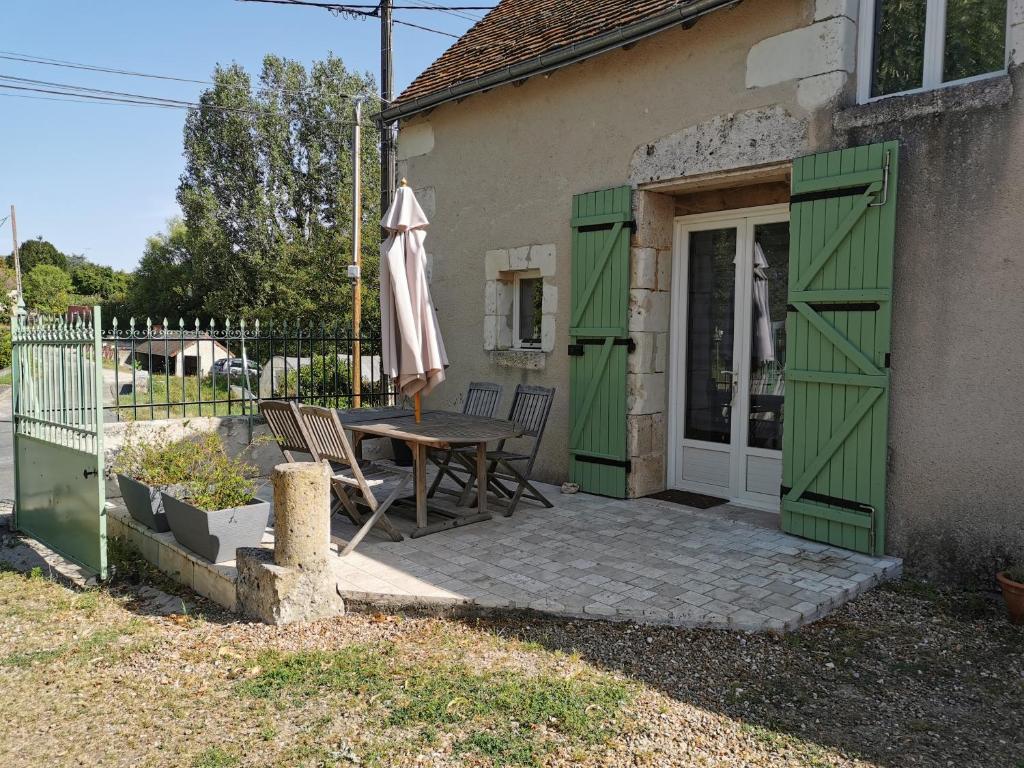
(524, 359)
(991, 92)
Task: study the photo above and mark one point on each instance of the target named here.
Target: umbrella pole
(416, 407)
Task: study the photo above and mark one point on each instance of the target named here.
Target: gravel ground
(903, 676)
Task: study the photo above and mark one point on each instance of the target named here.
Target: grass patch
(508, 710)
(215, 757)
(159, 400)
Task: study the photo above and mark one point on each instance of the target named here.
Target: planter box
(144, 502)
(216, 535)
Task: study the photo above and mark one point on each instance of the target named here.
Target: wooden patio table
(440, 430)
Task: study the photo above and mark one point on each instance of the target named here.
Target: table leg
(481, 479)
(420, 461)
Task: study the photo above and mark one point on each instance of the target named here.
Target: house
(188, 354)
(767, 251)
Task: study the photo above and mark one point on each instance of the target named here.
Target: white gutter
(563, 57)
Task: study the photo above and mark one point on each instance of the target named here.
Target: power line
(455, 11)
(88, 95)
(356, 11)
(47, 61)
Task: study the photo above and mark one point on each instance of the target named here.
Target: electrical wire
(47, 61)
(455, 11)
(348, 10)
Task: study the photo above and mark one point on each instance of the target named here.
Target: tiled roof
(519, 30)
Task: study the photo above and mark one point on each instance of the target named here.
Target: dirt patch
(904, 676)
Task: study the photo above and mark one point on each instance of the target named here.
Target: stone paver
(637, 560)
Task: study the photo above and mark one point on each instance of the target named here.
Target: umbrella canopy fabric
(412, 349)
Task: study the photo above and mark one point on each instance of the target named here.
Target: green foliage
(5, 346)
(163, 284)
(159, 462)
(47, 289)
(200, 467)
(267, 200)
(32, 253)
(1016, 573)
(215, 757)
(90, 279)
(326, 376)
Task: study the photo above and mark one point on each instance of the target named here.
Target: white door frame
(744, 220)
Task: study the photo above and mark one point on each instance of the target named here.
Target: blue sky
(97, 178)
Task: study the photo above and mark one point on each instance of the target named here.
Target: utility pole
(14, 253)
(387, 87)
(357, 253)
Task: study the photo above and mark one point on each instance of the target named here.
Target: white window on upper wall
(527, 309)
(907, 46)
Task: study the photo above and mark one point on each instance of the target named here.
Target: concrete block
(495, 262)
(827, 9)
(648, 310)
(825, 46)
(547, 332)
(813, 93)
(519, 258)
(176, 565)
(542, 257)
(302, 530)
(645, 392)
(643, 268)
(638, 434)
(278, 594)
(521, 359)
(642, 359)
(664, 274)
(215, 586)
(549, 303)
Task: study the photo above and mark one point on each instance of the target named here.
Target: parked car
(233, 366)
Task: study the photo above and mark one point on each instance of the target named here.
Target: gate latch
(87, 473)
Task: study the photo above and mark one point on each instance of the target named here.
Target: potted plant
(215, 511)
(1012, 582)
(145, 468)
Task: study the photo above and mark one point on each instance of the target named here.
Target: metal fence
(159, 371)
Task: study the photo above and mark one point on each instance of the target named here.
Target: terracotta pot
(1013, 594)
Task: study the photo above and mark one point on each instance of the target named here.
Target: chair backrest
(530, 409)
(287, 428)
(327, 435)
(481, 399)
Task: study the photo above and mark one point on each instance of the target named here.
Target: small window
(916, 45)
(528, 309)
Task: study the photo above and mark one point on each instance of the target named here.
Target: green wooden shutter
(599, 331)
(842, 225)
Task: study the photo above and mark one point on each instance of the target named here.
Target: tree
(267, 198)
(163, 284)
(32, 253)
(47, 289)
(91, 279)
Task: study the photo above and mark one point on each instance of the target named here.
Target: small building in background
(190, 355)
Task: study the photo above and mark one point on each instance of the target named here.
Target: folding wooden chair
(353, 483)
(531, 407)
(283, 419)
(481, 400)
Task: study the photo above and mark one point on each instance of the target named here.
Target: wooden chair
(481, 400)
(352, 482)
(287, 428)
(530, 409)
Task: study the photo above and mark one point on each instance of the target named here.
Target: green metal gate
(57, 370)
(600, 343)
(842, 228)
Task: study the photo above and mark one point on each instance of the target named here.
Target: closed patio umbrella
(412, 349)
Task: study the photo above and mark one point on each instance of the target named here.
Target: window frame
(934, 51)
(518, 277)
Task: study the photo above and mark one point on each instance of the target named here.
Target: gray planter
(216, 535)
(144, 503)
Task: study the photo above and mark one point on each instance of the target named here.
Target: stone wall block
(491, 332)
(827, 9)
(655, 219)
(495, 262)
(643, 268)
(664, 273)
(641, 360)
(519, 258)
(648, 310)
(661, 353)
(645, 393)
(648, 475)
(542, 257)
(825, 46)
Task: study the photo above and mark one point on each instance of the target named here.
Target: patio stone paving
(638, 560)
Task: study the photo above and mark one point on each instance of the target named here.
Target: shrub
(1016, 573)
(201, 468)
(5, 346)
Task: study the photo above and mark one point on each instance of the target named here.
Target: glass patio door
(728, 354)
